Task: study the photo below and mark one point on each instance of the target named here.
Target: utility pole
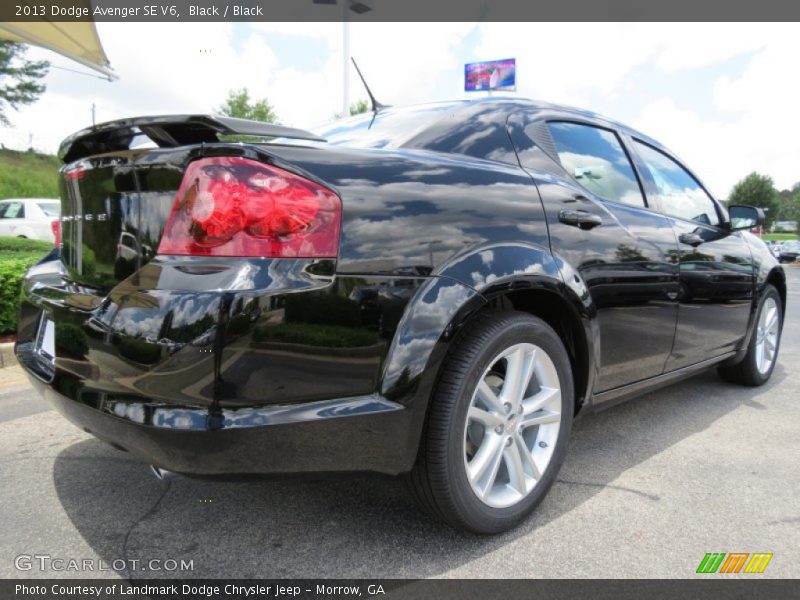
(359, 7)
(93, 114)
(345, 61)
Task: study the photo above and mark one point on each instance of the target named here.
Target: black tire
(746, 372)
(439, 480)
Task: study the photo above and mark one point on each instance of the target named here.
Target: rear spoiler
(169, 131)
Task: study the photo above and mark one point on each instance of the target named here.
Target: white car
(33, 218)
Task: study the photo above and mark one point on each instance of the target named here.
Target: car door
(717, 275)
(599, 223)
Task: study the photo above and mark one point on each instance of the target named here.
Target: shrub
(72, 340)
(239, 324)
(16, 256)
(88, 260)
(139, 351)
(327, 336)
(16, 245)
(322, 309)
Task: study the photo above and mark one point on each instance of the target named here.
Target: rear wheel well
(556, 311)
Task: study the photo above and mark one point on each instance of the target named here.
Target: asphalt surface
(648, 488)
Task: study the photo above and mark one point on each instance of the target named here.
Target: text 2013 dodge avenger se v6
(434, 291)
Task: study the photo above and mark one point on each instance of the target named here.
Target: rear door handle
(692, 239)
(579, 218)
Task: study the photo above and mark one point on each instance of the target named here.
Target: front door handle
(692, 239)
(579, 218)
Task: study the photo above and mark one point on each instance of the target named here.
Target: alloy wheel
(512, 425)
(767, 335)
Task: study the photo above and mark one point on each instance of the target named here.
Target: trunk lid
(113, 212)
(117, 195)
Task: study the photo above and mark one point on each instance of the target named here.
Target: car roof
(514, 103)
(507, 105)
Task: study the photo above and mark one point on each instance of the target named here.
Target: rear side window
(679, 193)
(50, 209)
(13, 210)
(596, 159)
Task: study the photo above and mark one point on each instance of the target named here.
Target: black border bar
(704, 587)
(399, 10)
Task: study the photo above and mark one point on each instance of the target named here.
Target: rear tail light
(230, 206)
(55, 227)
(74, 173)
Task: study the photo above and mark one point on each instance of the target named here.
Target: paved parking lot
(648, 488)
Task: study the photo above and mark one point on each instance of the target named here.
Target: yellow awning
(76, 40)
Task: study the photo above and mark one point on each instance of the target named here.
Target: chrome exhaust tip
(158, 472)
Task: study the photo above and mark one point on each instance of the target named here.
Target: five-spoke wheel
(512, 425)
(767, 335)
(498, 424)
(756, 365)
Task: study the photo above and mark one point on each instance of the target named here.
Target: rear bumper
(181, 370)
(354, 434)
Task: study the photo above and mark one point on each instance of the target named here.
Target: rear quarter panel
(474, 228)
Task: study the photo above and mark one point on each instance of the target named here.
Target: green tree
(789, 204)
(356, 108)
(627, 253)
(756, 190)
(19, 78)
(241, 106)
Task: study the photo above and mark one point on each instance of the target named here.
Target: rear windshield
(50, 209)
(390, 128)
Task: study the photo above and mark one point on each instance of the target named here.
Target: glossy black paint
(626, 267)
(716, 295)
(167, 131)
(295, 364)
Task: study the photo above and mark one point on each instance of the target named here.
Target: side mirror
(745, 217)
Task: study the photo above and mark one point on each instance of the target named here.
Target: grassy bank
(28, 175)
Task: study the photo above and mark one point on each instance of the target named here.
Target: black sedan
(434, 292)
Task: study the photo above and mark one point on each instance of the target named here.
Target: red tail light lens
(55, 227)
(73, 174)
(230, 206)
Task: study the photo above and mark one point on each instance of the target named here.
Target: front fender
(767, 269)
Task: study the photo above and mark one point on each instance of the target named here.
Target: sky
(721, 96)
